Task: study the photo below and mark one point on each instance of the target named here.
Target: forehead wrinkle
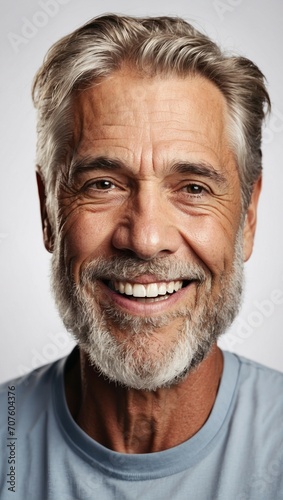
(99, 123)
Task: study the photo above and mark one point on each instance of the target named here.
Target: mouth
(146, 292)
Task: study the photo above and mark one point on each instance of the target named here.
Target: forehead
(152, 120)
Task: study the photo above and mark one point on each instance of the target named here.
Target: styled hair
(152, 46)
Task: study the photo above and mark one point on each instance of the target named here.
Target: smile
(151, 292)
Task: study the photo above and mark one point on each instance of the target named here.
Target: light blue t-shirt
(237, 454)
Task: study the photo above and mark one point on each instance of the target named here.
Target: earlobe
(47, 231)
(250, 220)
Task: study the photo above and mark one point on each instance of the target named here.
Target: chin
(143, 364)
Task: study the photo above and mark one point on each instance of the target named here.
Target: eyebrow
(89, 163)
(201, 168)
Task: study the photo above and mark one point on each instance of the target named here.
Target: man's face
(154, 191)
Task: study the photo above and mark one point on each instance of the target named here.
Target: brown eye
(194, 189)
(102, 185)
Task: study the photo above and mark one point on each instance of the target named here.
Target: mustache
(129, 268)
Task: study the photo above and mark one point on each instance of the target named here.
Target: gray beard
(127, 358)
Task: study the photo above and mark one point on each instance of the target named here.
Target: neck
(135, 421)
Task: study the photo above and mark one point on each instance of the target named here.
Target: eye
(195, 189)
(101, 185)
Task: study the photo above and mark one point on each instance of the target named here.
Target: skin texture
(144, 207)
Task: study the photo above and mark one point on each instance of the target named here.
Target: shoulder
(254, 370)
(254, 436)
(259, 393)
(29, 396)
(32, 380)
(259, 375)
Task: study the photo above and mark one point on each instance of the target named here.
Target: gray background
(31, 332)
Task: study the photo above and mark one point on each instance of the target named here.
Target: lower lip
(145, 309)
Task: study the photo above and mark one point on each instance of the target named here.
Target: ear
(250, 221)
(48, 236)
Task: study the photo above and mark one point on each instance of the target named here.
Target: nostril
(146, 238)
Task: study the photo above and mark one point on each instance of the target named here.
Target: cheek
(85, 237)
(212, 243)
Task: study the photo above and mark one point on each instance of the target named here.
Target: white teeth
(139, 290)
(152, 290)
(178, 285)
(128, 289)
(162, 289)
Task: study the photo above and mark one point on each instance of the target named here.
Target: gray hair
(156, 45)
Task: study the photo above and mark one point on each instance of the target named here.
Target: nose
(147, 227)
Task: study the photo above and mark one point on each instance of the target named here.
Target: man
(149, 174)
